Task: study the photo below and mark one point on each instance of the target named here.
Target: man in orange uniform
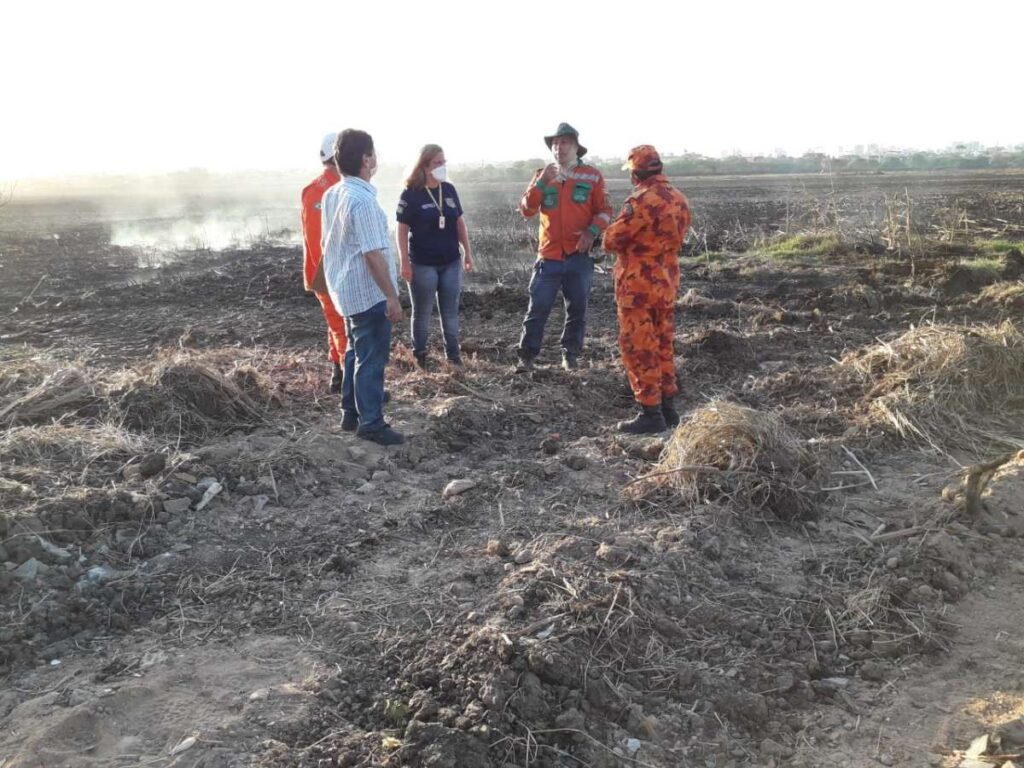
(311, 227)
(574, 210)
(646, 237)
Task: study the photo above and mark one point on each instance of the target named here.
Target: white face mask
(440, 173)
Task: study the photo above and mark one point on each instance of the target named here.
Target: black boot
(335, 386)
(647, 422)
(349, 421)
(668, 410)
(525, 364)
(569, 361)
(421, 360)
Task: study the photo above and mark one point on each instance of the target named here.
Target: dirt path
(930, 712)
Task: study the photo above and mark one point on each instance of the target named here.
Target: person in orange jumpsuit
(646, 237)
(312, 254)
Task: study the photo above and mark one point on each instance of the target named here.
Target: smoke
(215, 231)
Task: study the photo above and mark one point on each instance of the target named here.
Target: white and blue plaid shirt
(354, 224)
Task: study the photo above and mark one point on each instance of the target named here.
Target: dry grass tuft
(259, 387)
(60, 393)
(934, 382)
(1002, 295)
(69, 448)
(751, 458)
(19, 375)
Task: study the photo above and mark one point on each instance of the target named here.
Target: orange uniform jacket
(647, 237)
(567, 208)
(311, 197)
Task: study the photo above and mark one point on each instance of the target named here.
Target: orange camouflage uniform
(646, 237)
(312, 254)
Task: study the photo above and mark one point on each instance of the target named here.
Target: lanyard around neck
(440, 196)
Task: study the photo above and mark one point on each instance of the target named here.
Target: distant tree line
(691, 164)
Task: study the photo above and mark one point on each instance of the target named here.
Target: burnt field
(821, 566)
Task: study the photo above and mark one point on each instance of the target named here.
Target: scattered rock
(551, 444)
(52, 549)
(523, 556)
(78, 696)
(872, 670)
(28, 570)
(832, 683)
(206, 482)
(774, 749)
(456, 487)
(183, 745)
(979, 746)
(614, 555)
(576, 462)
(99, 574)
(496, 547)
(573, 720)
(152, 464)
(208, 494)
(1011, 734)
(177, 506)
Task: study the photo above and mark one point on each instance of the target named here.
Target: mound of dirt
(1012, 265)
(188, 398)
(958, 280)
(500, 298)
(944, 383)
(693, 303)
(725, 450)
(722, 347)
(461, 421)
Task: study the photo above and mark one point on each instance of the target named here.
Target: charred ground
(585, 599)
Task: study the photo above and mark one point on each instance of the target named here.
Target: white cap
(327, 148)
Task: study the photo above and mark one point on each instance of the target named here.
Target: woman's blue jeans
(444, 282)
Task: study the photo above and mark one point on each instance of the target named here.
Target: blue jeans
(362, 384)
(574, 276)
(445, 282)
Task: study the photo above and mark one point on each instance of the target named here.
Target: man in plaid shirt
(362, 282)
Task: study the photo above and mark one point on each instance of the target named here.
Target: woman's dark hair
(350, 148)
(417, 178)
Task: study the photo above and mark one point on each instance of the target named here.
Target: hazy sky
(144, 86)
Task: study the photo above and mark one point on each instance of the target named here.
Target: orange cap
(643, 158)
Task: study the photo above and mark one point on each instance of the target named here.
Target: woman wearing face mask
(430, 230)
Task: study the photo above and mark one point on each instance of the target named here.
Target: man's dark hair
(350, 148)
(644, 175)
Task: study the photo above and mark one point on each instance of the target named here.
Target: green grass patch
(806, 244)
(706, 257)
(999, 247)
(988, 268)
